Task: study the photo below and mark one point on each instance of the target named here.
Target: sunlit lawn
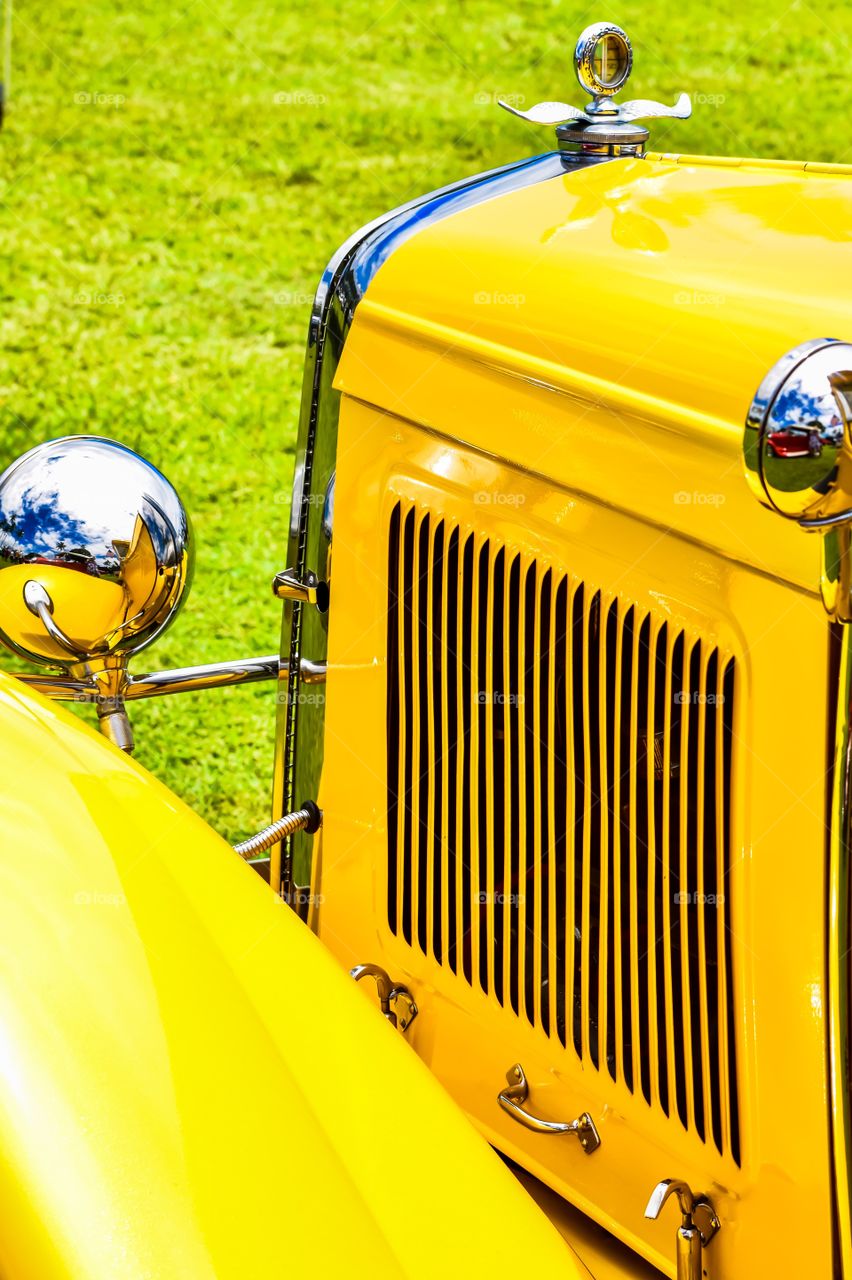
(173, 179)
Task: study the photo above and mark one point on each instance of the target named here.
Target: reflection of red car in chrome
(794, 443)
(88, 565)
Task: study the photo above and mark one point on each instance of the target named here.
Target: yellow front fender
(189, 1086)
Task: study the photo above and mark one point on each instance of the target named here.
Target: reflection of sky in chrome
(797, 407)
(82, 499)
(38, 527)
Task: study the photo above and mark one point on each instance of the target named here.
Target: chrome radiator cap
(603, 60)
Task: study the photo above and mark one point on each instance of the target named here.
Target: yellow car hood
(608, 328)
(189, 1086)
(682, 279)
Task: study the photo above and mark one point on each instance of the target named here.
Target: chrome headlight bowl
(96, 552)
(798, 444)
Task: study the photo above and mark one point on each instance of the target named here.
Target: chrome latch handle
(287, 585)
(512, 1099)
(391, 993)
(699, 1224)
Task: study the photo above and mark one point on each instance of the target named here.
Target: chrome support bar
(60, 688)
(212, 675)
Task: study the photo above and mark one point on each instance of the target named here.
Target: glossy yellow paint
(189, 1086)
(600, 1254)
(565, 371)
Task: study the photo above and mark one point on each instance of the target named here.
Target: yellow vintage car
(562, 777)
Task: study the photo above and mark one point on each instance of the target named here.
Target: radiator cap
(603, 60)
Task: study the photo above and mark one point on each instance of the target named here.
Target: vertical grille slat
(494, 767)
(712, 886)
(729, 1068)
(528, 678)
(704, 905)
(476, 763)
(560, 776)
(456, 753)
(694, 903)
(725, 1140)
(537, 673)
(644, 911)
(508, 796)
(685, 881)
(610, 956)
(563, 809)
(620, 916)
(656, 1094)
(551, 943)
(674, 862)
(446, 654)
(395, 720)
(408, 578)
(667, 895)
(600, 943)
(422, 793)
(467, 720)
(431, 763)
(655, 756)
(519, 793)
(515, 829)
(587, 708)
(577, 862)
(488, 836)
(632, 1065)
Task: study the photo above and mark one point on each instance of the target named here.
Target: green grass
(166, 214)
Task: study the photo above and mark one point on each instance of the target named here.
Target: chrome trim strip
(343, 284)
(839, 904)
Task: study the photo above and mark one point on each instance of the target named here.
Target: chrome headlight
(96, 556)
(95, 551)
(798, 444)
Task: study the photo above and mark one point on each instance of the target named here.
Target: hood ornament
(603, 61)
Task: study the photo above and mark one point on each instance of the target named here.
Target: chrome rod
(213, 675)
(310, 672)
(60, 688)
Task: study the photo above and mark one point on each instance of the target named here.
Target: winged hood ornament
(603, 61)
(636, 109)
